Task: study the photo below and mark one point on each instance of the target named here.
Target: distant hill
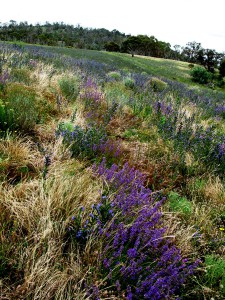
(60, 34)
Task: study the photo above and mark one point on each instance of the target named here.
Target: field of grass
(174, 70)
(111, 178)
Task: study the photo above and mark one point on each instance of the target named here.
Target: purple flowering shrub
(204, 144)
(91, 142)
(84, 142)
(137, 258)
(86, 223)
(92, 99)
(4, 78)
(96, 109)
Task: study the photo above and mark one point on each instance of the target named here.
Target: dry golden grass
(209, 189)
(122, 120)
(45, 132)
(42, 211)
(42, 76)
(214, 191)
(20, 158)
(179, 233)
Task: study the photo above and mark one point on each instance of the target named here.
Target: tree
(210, 61)
(112, 47)
(177, 52)
(201, 75)
(191, 51)
(131, 45)
(222, 68)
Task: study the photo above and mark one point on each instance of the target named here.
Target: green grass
(165, 68)
(171, 69)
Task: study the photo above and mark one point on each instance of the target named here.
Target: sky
(172, 21)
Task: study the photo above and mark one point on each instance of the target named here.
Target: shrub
(112, 47)
(215, 272)
(21, 108)
(179, 204)
(221, 82)
(114, 75)
(69, 87)
(129, 82)
(191, 66)
(200, 75)
(156, 84)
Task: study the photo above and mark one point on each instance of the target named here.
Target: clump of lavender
(90, 93)
(137, 257)
(91, 142)
(163, 108)
(96, 109)
(218, 154)
(83, 142)
(4, 78)
(33, 63)
(84, 224)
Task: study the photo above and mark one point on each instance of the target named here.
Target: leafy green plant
(156, 84)
(69, 87)
(179, 204)
(21, 75)
(6, 116)
(215, 272)
(114, 75)
(21, 109)
(129, 82)
(117, 92)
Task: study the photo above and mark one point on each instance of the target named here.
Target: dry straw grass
(20, 158)
(44, 209)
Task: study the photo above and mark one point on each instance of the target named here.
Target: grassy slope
(174, 70)
(167, 68)
(25, 203)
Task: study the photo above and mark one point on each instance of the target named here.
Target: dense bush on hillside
(200, 75)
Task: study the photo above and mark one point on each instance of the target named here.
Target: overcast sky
(172, 21)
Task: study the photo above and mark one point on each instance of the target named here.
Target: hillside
(174, 70)
(171, 69)
(111, 177)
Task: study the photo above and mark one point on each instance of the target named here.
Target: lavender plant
(137, 258)
(91, 142)
(4, 78)
(83, 142)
